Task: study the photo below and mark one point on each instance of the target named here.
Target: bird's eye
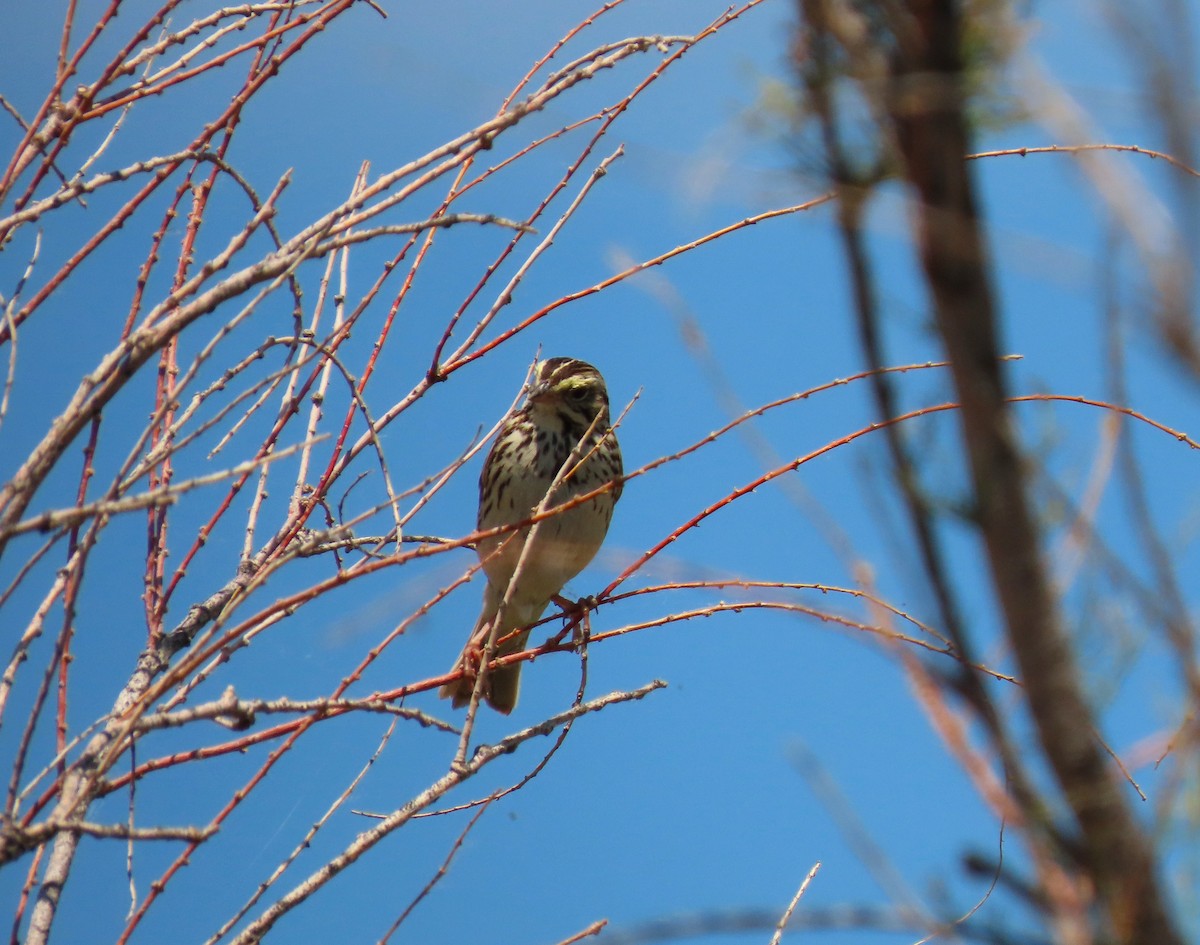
(578, 394)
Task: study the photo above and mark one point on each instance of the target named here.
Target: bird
(561, 434)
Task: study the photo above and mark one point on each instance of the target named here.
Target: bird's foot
(576, 613)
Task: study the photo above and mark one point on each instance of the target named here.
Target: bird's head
(570, 385)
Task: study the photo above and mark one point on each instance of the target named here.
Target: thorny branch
(157, 333)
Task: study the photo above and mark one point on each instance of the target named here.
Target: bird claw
(472, 657)
(575, 612)
(577, 608)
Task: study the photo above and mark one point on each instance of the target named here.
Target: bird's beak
(538, 389)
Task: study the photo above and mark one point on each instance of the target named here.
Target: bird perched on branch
(557, 446)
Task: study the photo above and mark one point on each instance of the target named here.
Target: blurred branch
(766, 919)
(927, 112)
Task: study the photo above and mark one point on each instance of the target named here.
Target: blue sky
(691, 801)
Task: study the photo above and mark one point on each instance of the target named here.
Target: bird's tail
(503, 683)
